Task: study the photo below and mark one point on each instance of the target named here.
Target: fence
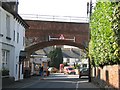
(55, 18)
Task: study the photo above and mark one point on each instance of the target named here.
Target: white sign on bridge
(61, 38)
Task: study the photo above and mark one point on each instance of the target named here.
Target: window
(5, 57)
(0, 22)
(68, 60)
(84, 65)
(17, 37)
(23, 41)
(8, 25)
(16, 68)
(14, 36)
(0, 3)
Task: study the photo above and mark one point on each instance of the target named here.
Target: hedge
(104, 45)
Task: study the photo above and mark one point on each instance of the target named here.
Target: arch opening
(42, 45)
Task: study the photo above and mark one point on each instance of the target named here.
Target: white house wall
(0, 63)
(6, 44)
(12, 46)
(19, 46)
(0, 41)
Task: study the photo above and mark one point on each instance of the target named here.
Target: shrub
(104, 46)
(5, 72)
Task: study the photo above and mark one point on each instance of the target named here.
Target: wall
(12, 45)
(18, 47)
(108, 76)
(0, 35)
(7, 44)
(40, 30)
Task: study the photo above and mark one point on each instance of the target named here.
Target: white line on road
(77, 84)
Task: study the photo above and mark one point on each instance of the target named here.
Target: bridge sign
(62, 37)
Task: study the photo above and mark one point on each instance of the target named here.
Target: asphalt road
(59, 81)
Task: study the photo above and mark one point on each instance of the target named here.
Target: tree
(104, 46)
(56, 58)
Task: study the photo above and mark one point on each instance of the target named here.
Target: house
(12, 38)
(38, 59)
(71, 56)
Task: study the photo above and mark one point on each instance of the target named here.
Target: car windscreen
(84, 69)
(70, 68)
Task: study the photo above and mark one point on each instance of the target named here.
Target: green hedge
(104, 46)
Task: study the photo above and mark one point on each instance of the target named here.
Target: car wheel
(79, 76)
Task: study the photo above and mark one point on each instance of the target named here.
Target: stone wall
(108, 76)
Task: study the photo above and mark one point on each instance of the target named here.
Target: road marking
(77, 84)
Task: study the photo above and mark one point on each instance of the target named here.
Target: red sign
(61, 36)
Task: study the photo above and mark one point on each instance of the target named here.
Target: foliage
(5, 72)
(65, 64)
(56, 58)
(77, 66)
(104, 46)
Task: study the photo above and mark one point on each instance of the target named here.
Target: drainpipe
(89, 12)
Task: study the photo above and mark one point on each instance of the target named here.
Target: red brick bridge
(48, 33)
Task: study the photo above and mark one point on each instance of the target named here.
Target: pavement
(36, 79)
(22, 83)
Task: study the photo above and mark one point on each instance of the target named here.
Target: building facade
(12, 35)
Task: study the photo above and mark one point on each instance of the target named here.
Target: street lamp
(89, 12)
(89, 8)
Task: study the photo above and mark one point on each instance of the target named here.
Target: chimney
(13, 5)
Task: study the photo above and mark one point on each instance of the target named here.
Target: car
(52, 69)
(69, 70)
(84, 72)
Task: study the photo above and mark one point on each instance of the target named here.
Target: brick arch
(42, 45)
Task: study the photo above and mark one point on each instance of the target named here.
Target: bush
(104, 46)
(5, 72)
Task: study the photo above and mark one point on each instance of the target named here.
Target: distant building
(37, 60)
(12, 38)
(84, 63)
(71, 55)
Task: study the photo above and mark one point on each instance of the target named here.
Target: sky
(54, 7)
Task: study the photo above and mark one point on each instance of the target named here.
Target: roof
(67, 52)
(71, 53)
(39, 53)
(47, 50)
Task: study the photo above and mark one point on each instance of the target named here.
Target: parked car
(84, 72)
(52, 69)
(69, 70)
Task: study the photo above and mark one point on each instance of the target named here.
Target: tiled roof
(73, 53)
(68, 53)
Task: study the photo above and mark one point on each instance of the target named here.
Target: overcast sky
(54, 7)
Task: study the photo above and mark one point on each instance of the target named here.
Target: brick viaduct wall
(40, 30)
